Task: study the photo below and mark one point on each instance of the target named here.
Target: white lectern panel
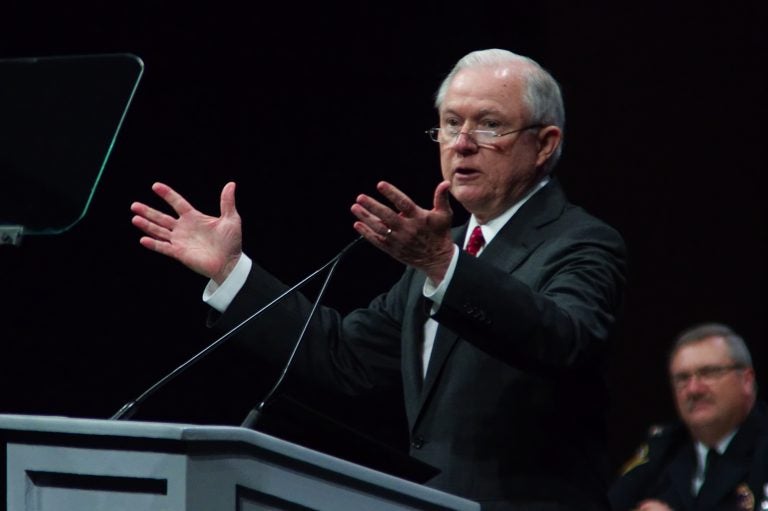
(66, 464)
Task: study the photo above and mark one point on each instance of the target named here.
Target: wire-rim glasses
(481, 137)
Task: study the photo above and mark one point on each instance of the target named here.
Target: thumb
(227, 203)
(442, 193)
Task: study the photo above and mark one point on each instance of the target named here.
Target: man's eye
(490, 125)
(452, 123)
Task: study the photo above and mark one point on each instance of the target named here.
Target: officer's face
(712, 394)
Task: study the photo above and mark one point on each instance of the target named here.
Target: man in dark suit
(717, 457)
(498, 347)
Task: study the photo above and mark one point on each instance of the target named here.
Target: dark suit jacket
(668, 461)
(511, 409)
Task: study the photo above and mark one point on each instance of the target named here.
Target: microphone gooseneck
(255, 414)
(130, 408)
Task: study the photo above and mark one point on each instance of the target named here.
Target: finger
(372, 211)
(401, 201)
(441, 200)
(153, 215)
(151, 228)
(373, 222)
(173, 198)
(227, 202)
(376, 239)
(161, 247)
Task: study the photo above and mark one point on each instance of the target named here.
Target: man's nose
(464, 142)
(695, 385)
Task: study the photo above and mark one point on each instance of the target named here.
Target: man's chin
(701, 416)
(468, 196)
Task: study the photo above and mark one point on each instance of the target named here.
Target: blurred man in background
(716, 458)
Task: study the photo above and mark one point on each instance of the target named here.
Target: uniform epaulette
(640, 457)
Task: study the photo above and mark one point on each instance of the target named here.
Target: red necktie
(476, 241)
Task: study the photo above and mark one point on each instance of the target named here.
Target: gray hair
(542, 94)
(737, 348)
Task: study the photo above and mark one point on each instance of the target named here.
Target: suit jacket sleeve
(352, 354)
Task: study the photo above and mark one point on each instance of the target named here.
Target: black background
(306, 106)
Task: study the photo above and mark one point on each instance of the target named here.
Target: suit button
(417, 443)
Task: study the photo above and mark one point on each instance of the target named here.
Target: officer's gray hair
(737, 348)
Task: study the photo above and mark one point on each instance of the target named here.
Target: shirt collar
(722, 445)
(492, 227)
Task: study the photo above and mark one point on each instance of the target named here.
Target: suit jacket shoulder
(562, 268)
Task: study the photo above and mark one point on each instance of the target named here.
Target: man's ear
(548, 140)
(748, 379)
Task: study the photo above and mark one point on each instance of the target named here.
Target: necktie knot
(476, 241)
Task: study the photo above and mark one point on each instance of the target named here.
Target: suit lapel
(681, 472)
(522, 233)
(444, 342)
(733, 466)
(720, 484)
(413, 339)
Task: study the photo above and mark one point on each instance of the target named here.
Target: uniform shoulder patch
(640, 457)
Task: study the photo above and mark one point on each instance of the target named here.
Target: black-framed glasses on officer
(705, 374)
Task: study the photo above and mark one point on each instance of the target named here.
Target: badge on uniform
(745, 498)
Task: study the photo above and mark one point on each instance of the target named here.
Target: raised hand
(208, 245)
(415, 236)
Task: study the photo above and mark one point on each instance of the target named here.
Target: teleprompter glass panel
(59, 119)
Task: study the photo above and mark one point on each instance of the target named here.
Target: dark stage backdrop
(306, 106)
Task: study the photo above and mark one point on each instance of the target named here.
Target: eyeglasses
(706, 374)
(481, 137)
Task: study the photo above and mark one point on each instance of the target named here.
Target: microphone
(131, 407)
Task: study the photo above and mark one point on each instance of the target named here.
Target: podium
(64, 464)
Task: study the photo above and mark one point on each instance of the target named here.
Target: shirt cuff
(436, 293)
(219, 297)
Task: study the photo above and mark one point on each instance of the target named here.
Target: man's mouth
(465, 172)
(697, 404)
